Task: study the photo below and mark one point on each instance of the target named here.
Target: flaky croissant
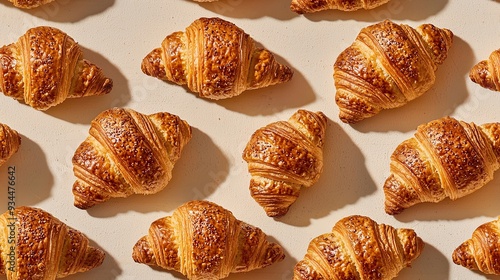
(127, 153)
(311, 6)
(359, 248)
(284, 156)
(387, 66)
(202, 240)
(487, 72)
(29, 4)
(9, 142)
(445, 158)
(480, 252)
(215, 59)
(36, 245)
(46, 66)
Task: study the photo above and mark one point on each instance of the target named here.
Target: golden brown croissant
(445, 158)
(216, 59)
(481, 251)
(487, 72)
(29, 4)
(36, 245)
(387, 66)
(284, 156)
(9, 142)
(46, 66)
(127, 153)
(311, 6)
(202, 240)
(359, 248)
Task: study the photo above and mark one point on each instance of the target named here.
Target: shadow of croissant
(345, 179)
(85, 109)
(201, 168)
(252, 9)
(70, 10)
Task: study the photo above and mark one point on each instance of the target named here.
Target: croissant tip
(152, 65)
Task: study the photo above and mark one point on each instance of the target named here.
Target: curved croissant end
(45, 248)
(216, 59)
(480, 252)
(387, 66)
(55, 71)
(311, 6)
(445, 158)
(284, 156)
(359, 248)
(127, 153)
(30, 4)
(9, 143)
(487, 72)
(202, 240)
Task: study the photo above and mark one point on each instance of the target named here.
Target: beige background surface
(117, 34)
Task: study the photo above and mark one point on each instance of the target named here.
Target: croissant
(215, 59)
(445, 158)
(487, 72)
(127, 153)
(387, 66)
(359, 248)
(481, 251)
(202, 240)
(45, 66)
(9, 142)
(284, 156)
(36, 245)
(311, 6)
(29, 4)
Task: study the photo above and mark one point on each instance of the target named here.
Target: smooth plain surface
(117, 34)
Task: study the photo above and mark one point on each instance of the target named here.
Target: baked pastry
(311, 6)
(9, 142)
(283, 157)
(480, 252)
(215, 59)
(36, 245)
(202, 240)
(387, 66)
(29, 4)
(445, 158)
(359, 248)
(127, 153)
(46, 66)
(487, 72)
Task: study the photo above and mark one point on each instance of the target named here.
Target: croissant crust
(45, 248)
(216, 59)
(9, 142)
(310, 6)
(127, 153)
(387, 66)
(359, 248)
(284, 156)
(445, 158)
(487, 72)
(202, 240)
(29, 4)
(45, 67)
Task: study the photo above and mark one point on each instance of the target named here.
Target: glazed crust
(29, 4)
(216, 59)
(311, 6)
(45, 248)
(45, 67)
(127, 153)
(445, 158)
(486, 73)
(9, 142)
(202, 240)
(284, 156)
(359, 248)
(387, 66)
(482, 251)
